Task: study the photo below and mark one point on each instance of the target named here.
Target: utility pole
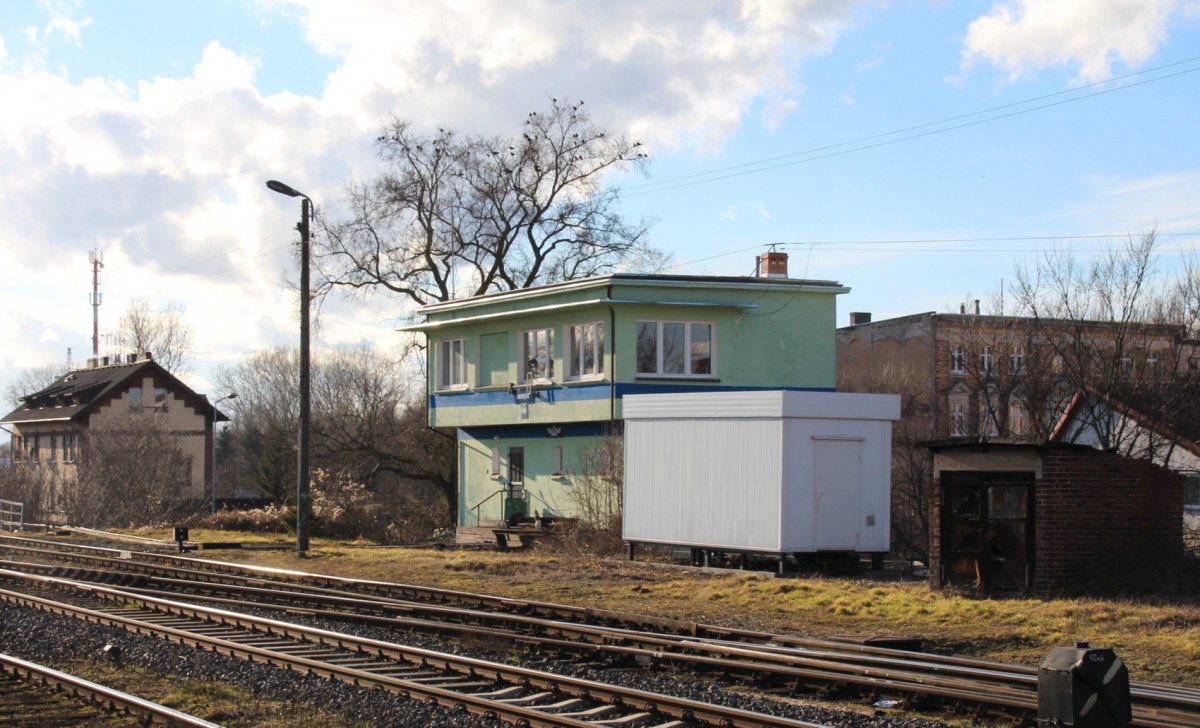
(97, 260)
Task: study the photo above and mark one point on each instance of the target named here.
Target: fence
(12, 515)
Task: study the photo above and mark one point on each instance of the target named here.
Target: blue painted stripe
(592, 392)
(528, 432)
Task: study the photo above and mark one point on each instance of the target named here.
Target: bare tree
(163, 332)
(368, 425)
(1107, 328)
(30, 380)
(132, 472)
(462, 215)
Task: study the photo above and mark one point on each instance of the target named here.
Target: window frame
(451, 365)
(959, 410)
(958, 359)
(1016, 362)
(574, 355)
(689, 360)
(547, 371)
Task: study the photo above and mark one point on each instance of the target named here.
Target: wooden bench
(526, 535)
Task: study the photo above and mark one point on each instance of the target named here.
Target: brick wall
(1105, 521)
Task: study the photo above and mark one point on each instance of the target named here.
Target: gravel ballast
(54, 640)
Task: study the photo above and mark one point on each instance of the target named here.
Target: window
(452, 364)
(957, 360)
(675, 348)
(537, 354)
(958, 418)
(989, 416)
(52, 450)
(985, 361)
(135, 398)
(1126, 364)
(585, 350)
(160, 398)
(1191, 493)
(1152, 367)
(70, 440)
(1016, 362)
(1018, 419)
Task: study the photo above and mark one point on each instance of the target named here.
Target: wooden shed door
(987, 531)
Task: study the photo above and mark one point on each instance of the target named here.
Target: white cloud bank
(1023, 37)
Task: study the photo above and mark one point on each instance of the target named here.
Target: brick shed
(1053, 518)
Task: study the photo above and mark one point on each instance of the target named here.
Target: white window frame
(958, 359)
(1153, 365)
(688, 362)
(577, 344)
(452, 364)
(986, 361)
(531, 342)
(1016, 362)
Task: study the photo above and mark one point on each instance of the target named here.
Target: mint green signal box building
(530, 378)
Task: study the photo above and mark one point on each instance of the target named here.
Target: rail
(99, 694)
(509, 693)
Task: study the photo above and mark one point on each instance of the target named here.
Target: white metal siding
(704, 482)
(719, 470)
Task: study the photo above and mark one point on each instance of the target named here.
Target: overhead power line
(909, 133)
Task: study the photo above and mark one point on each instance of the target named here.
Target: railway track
(773, 662)
(515, 695)
(34, 695)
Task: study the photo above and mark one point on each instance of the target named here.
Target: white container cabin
(772, 472)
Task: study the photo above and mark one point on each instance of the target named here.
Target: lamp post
(231, 395)
(303, 496)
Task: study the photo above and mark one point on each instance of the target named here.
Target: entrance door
(987, 531)
(515, 502)
(838, 473)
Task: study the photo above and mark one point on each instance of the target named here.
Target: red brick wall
(1104, 520)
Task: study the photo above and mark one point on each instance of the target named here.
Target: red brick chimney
(772, 265)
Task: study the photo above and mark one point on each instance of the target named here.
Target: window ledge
(584, 380)
(453, 390)
(679, 377)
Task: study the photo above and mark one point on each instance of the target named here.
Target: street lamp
(231, 395)
(302, 475)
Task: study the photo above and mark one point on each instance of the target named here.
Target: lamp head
(281, 188)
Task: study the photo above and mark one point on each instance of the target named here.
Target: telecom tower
(97, 260)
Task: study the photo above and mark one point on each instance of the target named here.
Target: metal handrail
(485, 500)
(12, 515)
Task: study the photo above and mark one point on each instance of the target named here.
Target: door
(987, 531)
(838, 480)
(515, 505)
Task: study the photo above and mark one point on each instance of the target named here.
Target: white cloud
(63, 21)
(1023, 37)
(673, 75)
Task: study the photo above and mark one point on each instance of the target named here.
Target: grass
(1158, 638)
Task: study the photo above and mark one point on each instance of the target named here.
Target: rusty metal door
(987, 531)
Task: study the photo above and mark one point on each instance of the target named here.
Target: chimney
(859, 317)
(772, 265)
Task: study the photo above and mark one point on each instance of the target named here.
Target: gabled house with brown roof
(50, 427)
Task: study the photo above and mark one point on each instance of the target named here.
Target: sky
(915, 151)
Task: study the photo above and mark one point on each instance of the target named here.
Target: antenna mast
(97, 260)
